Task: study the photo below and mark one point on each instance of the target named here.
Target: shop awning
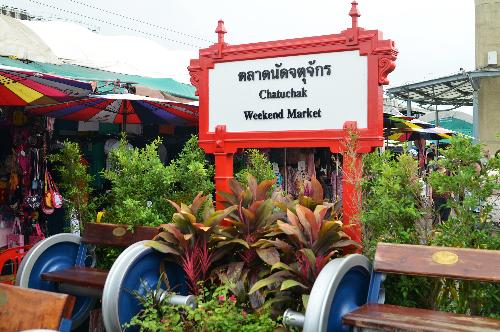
(104, 78)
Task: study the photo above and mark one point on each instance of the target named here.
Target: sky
(434, 37)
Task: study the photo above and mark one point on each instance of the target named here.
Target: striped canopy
(20, 87)
(402, 128)
(412, 134)
(122, 108)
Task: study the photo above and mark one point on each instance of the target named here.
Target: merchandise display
(28, 193)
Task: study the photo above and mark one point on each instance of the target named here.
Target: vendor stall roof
(455, 90)
(167, 85)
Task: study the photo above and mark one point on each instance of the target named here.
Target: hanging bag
(47, 196)
(38, 236)
(57, 199)
(16, 239)
(34, 197)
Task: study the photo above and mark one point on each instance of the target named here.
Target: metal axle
(174, 299)
(293, 318)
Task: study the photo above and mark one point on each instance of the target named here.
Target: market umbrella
(19, 87)
(121, 108)
(412, 134)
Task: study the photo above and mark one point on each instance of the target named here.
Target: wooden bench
(442, 262)
(89, 281)
(25, 308)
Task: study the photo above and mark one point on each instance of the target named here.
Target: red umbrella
(121, 108)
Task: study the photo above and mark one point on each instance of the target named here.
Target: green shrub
(469, 225)
(141, 184)
(257, 165)
(74, 182)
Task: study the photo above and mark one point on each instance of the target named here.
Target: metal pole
(436, 107)
(408, 113)
(475, 115)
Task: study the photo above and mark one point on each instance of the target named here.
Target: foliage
(468, 188)
(74, 182)
(190, 173)
(309, 241)
(392, 204)
(257, 165)
(191, 240)
(393, 211)
(260, 246)
(254, 219)
(141, 184)
(217, 310)
(469, 225)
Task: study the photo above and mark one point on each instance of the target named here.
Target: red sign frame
(381, 55)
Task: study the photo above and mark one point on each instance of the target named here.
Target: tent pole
(124, 118)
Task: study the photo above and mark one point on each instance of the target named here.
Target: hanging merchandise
(34, 198)
(38, 236)
(279, 178)
(16, 239)
(47, 206)
(57, 199)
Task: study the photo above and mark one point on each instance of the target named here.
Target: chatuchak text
(290, 114)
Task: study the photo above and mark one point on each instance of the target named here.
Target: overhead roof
(168, 85)
(455, 90)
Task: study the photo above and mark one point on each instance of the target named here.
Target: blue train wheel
(136, 271)
(341, 287)
(57, 252)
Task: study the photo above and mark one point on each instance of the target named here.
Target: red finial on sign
(354, 13)
(220, 31)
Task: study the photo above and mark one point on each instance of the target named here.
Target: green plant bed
(217, 310)
(248, 262)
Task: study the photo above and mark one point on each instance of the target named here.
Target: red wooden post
(223, 172)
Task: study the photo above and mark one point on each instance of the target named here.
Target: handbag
(34, 238)
(34, 198)
(47, 196)
(57, 199)
(16, 238)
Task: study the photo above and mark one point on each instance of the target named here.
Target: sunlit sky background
(434, 37)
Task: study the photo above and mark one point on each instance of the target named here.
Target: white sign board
(304, 92)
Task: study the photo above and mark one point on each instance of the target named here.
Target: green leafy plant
(190, 173)
(257, 165)
(470, 225)
(190, 240)
(74, 182)
(141, 184)
(309, 242)
(392, 205)
(217, 310)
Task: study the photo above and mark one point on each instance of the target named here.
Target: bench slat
(79, 276)
(386, 317)
(24, 308)
(116, 235)
(471, 264)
